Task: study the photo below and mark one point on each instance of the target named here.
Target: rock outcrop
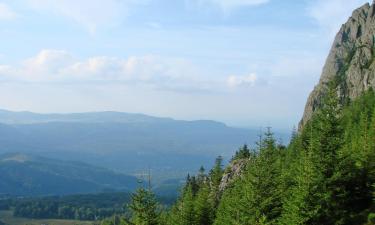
(351, 61)
(232, 172)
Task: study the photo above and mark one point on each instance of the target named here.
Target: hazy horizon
(237, 62)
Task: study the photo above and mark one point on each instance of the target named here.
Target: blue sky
(248, 63)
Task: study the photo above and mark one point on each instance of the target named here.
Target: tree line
(325, 176)
(78, 207)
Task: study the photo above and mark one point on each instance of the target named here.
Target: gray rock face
(351, 61)
(233, 171)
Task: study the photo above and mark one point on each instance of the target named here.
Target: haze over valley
(187, 112)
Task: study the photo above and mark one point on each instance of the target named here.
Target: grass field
(7, 218)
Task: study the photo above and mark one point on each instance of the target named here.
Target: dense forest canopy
(92, 207)
(326, 175)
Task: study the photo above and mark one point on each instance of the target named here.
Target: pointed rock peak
(351, 61)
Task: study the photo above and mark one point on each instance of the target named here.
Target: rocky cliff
(232, 172)
(351, 61)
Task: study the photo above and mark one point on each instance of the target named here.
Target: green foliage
(78, 207)
(116, 220)
(256, 198)
(144, 208)
(325, 176)
(332, 184)
(199, 198)
(242, 153)
(371, 218)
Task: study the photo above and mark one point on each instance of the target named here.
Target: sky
(247, 63)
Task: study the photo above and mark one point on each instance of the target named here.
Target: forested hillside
(31, 175)
(325, 176)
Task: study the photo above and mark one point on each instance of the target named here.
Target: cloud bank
(58, 66)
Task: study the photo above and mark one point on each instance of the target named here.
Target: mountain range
(128, 143)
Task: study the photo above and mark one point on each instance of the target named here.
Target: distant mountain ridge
(29, 175)
(122, 141)
(26, 117)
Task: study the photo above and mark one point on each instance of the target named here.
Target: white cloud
(6, 13)
(229, 5)
(234, 81)
(90, 14)
(60, 66)
(47, 62)
(331, 14)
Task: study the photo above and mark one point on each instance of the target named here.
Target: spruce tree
(242, 153)
(215, 176)
(255, 198)
(203, 211)
(144, 208)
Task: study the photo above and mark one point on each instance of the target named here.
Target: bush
(371, 218)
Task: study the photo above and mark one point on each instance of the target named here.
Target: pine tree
(215, 176)
(267, 181)
(202, 177)
(242, 153)
(298, 203)
(217, 171)
(203, 210)
(234, 207)
(183, 212)
(256, 198)
(144, 208)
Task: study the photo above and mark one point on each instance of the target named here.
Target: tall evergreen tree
(255, 199)
(215, 176)
(242, 153)
(144, 208)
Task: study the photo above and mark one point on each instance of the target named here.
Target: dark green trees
(242, 153)
(332, 184)
(326, 176)
(310, 198)
(199, 198)
(144, 208)
(256, 197)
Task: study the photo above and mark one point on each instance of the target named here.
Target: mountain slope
(326, 175)
(25, 174)
(351, 61)
(121, 141)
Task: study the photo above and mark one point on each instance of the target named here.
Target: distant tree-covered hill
(26, 175)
